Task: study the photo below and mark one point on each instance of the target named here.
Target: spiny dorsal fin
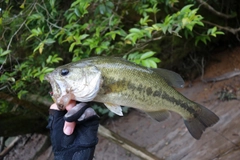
(117, 109)
(172, 78)
(159, 115)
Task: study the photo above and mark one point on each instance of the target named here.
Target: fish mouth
(56, 89)
(58, 93)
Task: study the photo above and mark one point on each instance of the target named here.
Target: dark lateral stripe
(161, 94)
(165, 96)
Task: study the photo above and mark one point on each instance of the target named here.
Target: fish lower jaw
(64, 100)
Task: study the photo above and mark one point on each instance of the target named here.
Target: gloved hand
(80, 145)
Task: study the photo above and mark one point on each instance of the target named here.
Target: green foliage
(206, 37)
(5, 107)
(145, 59)
(37, 36)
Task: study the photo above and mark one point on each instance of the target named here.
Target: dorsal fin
(172, 78)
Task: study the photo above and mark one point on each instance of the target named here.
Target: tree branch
(41, 110)
(128, 145)
(210, 8)
(10, 147)
(232, 30)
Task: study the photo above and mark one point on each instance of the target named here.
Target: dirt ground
(170, 139)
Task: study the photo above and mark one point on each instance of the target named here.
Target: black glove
(80, 145)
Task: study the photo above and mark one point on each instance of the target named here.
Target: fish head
(74, 81)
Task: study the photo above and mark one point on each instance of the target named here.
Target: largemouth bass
(117, 82)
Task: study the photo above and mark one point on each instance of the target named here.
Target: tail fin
(196, 126)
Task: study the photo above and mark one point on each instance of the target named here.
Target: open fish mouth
(59, 93)
(56, 92)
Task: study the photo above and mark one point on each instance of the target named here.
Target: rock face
(170, 139)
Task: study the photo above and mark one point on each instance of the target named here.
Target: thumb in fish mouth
(63, 101)
(60, 106)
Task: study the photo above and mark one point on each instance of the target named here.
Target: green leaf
(203, 38)
(49, 41)
(2, 60)
(200, 23)
(72, 46)
(147, 55)
(21, 93)
(84, 36)
(152, 63)
(149, 63)
(52, 3)
(35, 33)
(41, 77)
(112, 34)
(219, 32)
(157, 60)
(4, 53)
(37, 16)
(135, 30)
(41, 46)
(186, 8)
(145, 63)
(110, 4)
(77, 12)
(49, 59)
(185, 21)
(22, 5)
(102, 8)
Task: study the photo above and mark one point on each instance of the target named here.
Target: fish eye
(64, 72)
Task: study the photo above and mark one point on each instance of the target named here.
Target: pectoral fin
(159, 115)
(117, 109)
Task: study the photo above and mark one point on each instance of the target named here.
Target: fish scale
(139, 91)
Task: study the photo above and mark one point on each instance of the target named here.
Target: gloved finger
(76, 112)
(89, 113)
(87, 123)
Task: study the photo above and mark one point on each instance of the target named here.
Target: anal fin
(159, 115)
(117, 109)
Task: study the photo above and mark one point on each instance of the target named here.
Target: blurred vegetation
(38, 35)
